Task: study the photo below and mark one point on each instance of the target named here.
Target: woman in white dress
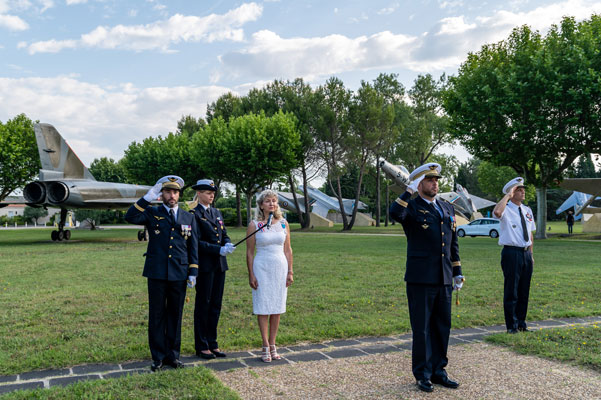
(269, 270)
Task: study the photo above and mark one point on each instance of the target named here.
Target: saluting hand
(154, 192)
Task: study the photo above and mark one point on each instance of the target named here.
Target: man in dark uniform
(171, 258)
(433, 271)
(213, 246)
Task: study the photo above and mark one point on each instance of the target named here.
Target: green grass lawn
(189, 383)
(85, 301)
(576, 344)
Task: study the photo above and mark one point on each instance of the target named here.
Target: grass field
(577, 344)
(85, 300)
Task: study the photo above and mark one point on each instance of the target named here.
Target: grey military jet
(66, 183)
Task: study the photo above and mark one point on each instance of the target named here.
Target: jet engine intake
(34, 192)
(58, 192)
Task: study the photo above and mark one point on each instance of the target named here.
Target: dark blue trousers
(165, 307)
(430, 315)
(517, 270)
(207, 309)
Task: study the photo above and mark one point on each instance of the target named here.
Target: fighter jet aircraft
(590, 186)
(66, 183)
(466, 205)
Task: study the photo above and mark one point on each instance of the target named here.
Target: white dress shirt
(174, 210)
(511, 226)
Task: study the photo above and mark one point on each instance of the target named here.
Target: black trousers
(570, 228)
(207, 309)
(517, 270)
(165, 306)
(430, 315)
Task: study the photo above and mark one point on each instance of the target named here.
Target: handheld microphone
(269, 219)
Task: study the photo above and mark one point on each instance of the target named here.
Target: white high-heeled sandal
(274, 352)
(266, 357)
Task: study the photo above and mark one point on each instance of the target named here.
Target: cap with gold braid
(427, 170)
(519, 182)
(171, 182)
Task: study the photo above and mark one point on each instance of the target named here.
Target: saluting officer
(213, 246)
(433, 271)
(517, 261)
(171, 258)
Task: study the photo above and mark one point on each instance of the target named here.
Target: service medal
(157, 231)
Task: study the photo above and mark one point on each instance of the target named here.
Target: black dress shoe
(175, 364)
(425, 385)
(512, 331)
(156, 366)
(218, 353)
(206, 356)
(445, 381)
(523, 329)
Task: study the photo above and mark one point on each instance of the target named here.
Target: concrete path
(371, 367)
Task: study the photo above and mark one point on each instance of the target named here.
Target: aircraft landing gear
(143, 235)
(61, 233)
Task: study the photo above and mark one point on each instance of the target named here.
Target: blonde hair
(259, 215)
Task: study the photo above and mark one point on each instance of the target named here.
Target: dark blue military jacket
(432, 248)
(172, 252)
(211, 237)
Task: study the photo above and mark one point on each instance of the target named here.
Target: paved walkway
(315, 355)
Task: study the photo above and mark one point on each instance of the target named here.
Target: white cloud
(161, 34)
(46, 4)
(389, 10)
(100, 121)
(442, 47)
(13, 23)
(71, 2)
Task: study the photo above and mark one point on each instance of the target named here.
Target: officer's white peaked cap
(519, 182)
(426, 170)
(205, 184)
(171, 182)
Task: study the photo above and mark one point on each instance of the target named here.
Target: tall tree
(108, 170)
(333, 125)
(189, 125)
(532, 102)
(19, 158)
(252, 151)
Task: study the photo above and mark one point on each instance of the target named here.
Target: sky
(106, 73)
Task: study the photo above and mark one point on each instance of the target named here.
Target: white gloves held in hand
(458, 282)
(191, 281)
(227, 249)
(154, 192)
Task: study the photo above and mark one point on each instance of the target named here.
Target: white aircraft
(591, 187)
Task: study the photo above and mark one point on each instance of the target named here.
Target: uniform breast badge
(186, 231)
(156, 231)
(425, 226)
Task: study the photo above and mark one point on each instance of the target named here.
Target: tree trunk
(306, 199)
(541, 213)
(338, 192)
(387, 202)
(357, 195)
(248, 214)
(378, 200)
(238, 208)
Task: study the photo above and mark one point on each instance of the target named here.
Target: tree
(107, 170)
(189, 125)
(19, 158)
(532, 103)
(252, 151)
(146, 162)
(333, 125)
(32, 214)
(425, 127)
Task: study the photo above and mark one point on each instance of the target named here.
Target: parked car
(480, 227)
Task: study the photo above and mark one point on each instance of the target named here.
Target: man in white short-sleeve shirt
(517, 261)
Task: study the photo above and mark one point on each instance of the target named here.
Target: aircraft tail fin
(57, 158)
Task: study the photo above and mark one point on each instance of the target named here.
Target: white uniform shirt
(511, 226)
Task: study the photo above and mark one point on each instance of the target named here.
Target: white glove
(153, 193)
(230, 248)
(413, 185)
(191, 281)
(458, 282)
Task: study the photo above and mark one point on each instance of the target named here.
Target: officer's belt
(517, 248)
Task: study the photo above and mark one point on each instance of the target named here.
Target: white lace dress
(271, 270)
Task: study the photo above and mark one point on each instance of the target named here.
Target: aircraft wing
(480, 203)
(584, 185)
